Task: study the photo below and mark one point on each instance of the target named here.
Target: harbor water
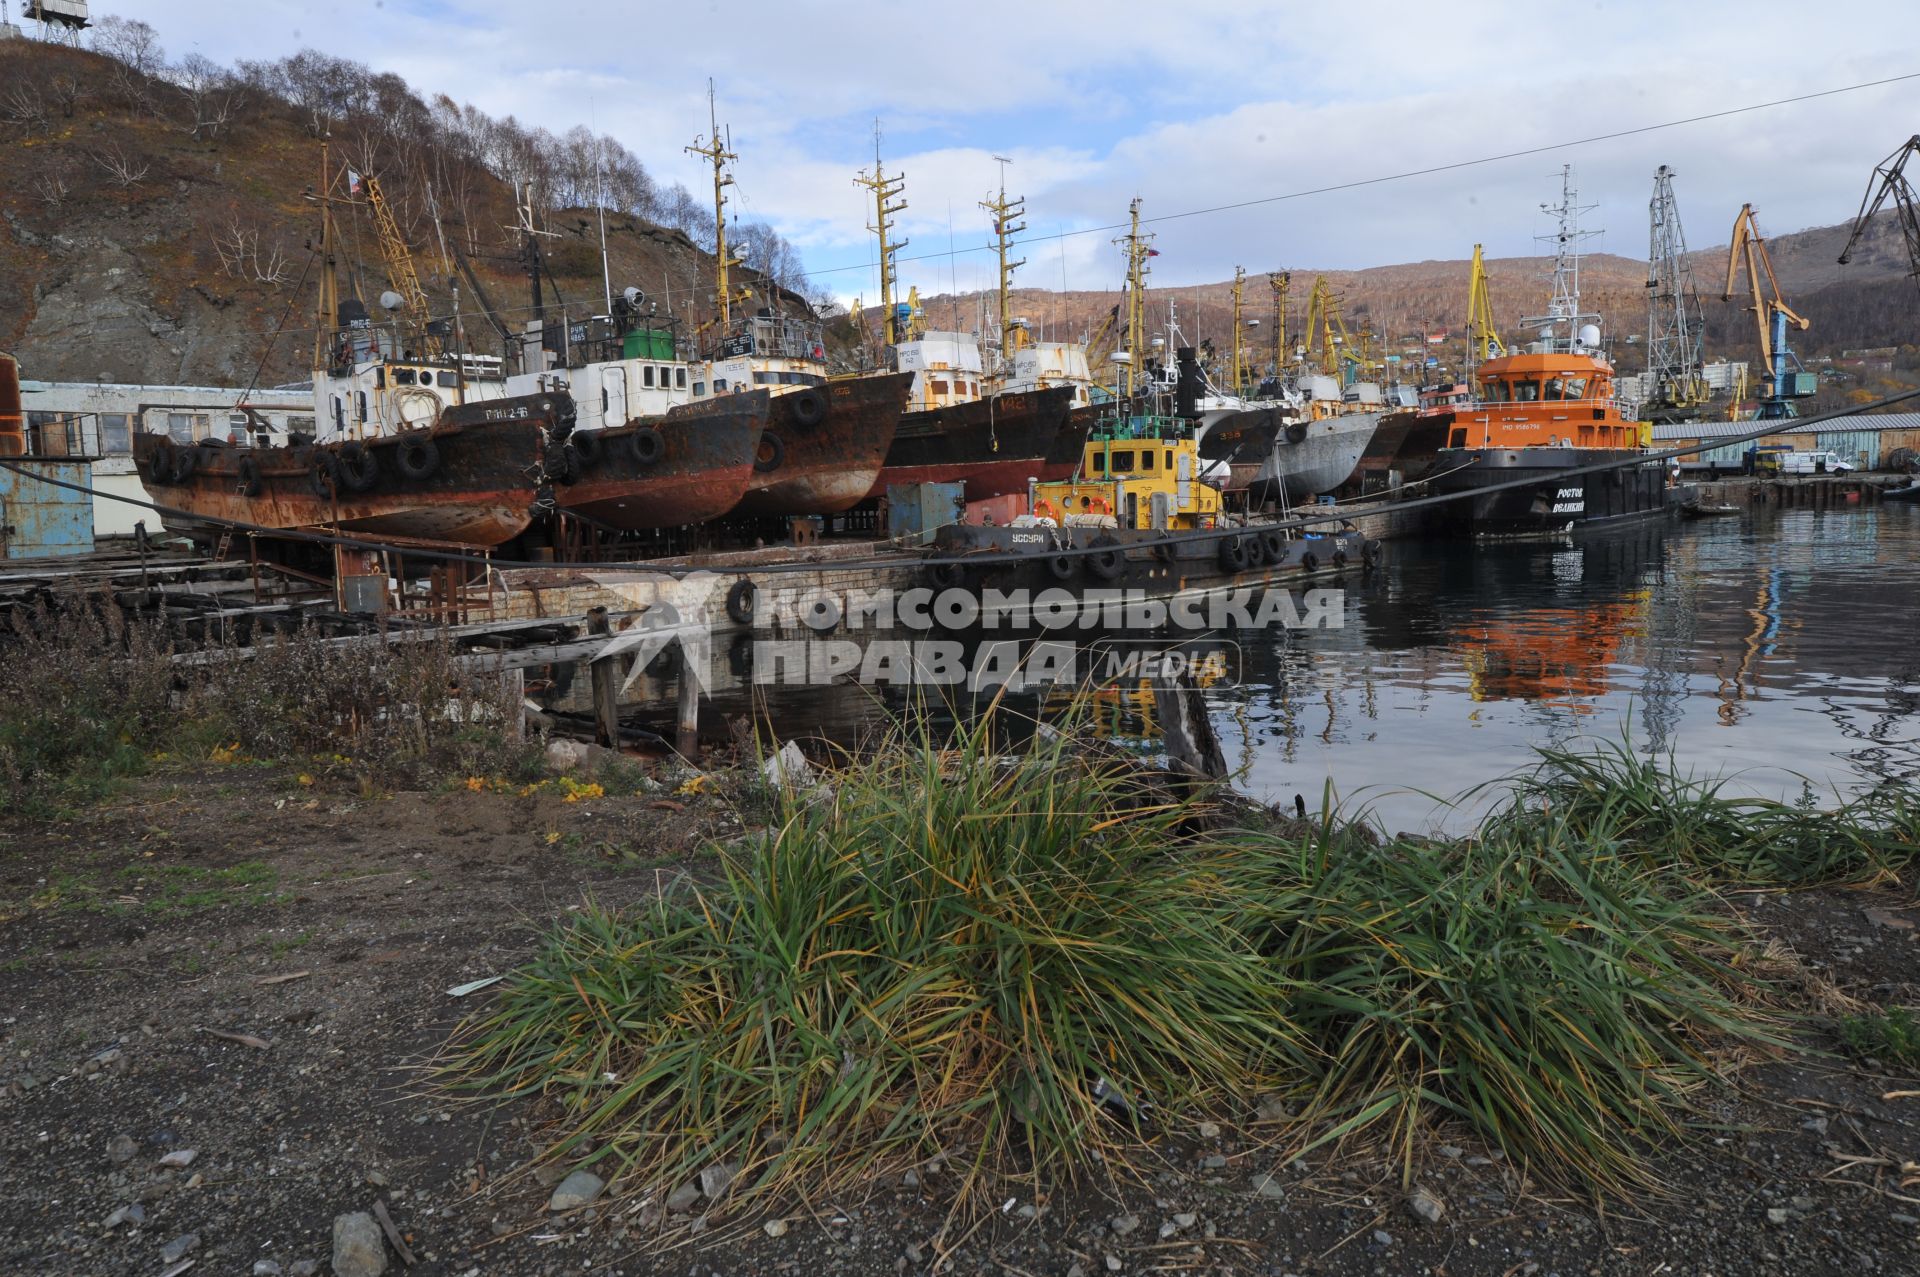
(1774, 649)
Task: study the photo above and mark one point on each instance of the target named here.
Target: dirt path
(239, 900)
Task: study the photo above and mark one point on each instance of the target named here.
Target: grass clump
(955, 951)
(1037, 960)
(1560, 1000)
(1892, 1037)
(1654, 811)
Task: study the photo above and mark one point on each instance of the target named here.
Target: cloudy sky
(1188, 106)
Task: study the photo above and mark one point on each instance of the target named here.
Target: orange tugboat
(1543, 410)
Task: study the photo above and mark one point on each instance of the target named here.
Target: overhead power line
(1406, 174)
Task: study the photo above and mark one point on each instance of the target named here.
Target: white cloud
(1189, 106)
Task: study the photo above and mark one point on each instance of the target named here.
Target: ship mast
(1005, 211)
(1136, 246)
(327, 299)
(1564, 307)
(716, 149)
(1279, 281)
(1239, 364)
(1673, 306)
(884, 189)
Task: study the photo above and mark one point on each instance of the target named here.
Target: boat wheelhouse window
(450, 379)
(180, 427)
(362, 405)
(403, 376)
(1527, 391)
(1123, 462)
(1146, 458)
(1576, 387)
(646, 375)
(1169, 458)
(1556, 389)
(719, 384)
(699, 387)
(680, 378)
(937, 387)
(1099, 462)
(339, 413)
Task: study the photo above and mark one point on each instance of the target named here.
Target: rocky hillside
(151, 231)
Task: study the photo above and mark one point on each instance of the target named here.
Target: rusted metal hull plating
(471, 478)
(702, 466)
(991, 445)
(830, 464)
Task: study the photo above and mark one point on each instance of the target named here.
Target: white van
(1813, 463)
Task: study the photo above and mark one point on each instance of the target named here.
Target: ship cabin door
(613, 397)
(1183, 479)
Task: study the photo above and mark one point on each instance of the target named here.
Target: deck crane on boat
(1483, 340)
(1325, 324)
(400, 270)
(1781, 379)
(1889, 182)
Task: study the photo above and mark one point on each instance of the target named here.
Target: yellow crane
(1483, 340)
(1325, 324)
(400, 272)
(1238, 365)
(1101, 343)
(1778, 385)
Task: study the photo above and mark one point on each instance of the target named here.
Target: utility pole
(884, 190)
(716, 149)
(1005, 212)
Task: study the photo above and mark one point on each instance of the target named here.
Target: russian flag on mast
(353, 182)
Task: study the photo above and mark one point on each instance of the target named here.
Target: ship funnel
(1186, 387)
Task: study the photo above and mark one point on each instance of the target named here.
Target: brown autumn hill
(156, 226)
(1870, 302)
(138, 244)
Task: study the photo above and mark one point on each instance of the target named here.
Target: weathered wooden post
(687, 740)
(1192, 746)
(606, 684)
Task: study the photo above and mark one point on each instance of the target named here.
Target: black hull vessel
(1558, 502)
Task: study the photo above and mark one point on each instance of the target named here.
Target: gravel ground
(217, 987)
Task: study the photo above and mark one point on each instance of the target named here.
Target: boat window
(699, 388)
(1169, 458)
(403, 376)
(719, 384)
(680, 377)
(451, 380)
(604, 405)
(1576, 387)
(380, 378)
(1123, 462)
(1526, 391)
(1099, 462)
(937, 387)
(1556, 389)
(646, 375)
(1495, 391)
(363, 405)
(114, 435)
(339, 414)
(1146, 458)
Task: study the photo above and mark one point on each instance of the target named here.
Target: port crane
(1324, 322)
(1676, 384)
(1889, 182)
(1781, 379)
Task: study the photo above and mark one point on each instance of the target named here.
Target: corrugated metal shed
(38, 520)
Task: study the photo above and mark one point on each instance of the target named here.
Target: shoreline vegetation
(1040, 964)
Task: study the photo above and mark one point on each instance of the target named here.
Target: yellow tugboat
(1137, 472)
